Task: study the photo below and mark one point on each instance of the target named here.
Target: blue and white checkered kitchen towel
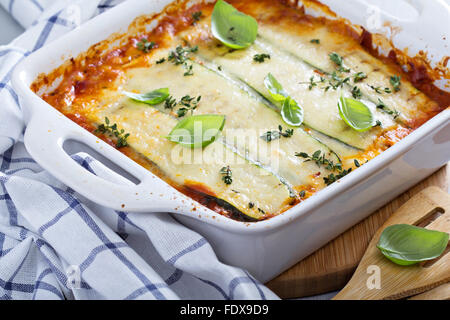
(54, 244)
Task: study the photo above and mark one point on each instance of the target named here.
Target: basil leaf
(151, 98)
(405, 244)
(197, 131)
(233, 28)
(275, 88)
(356, 114)
(291, 112)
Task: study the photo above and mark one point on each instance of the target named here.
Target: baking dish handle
(44, 141)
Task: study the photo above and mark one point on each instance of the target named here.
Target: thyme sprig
(261, 57)
(380, 90)
(273, 135)
(189, 70)
(320, 159)
(180, 56)
(338, 171)
(334, 83)
(196, 16)
(170, 103)
(337, 59)
(188, 103)
(145, 45)
(331, 178)
(394, 113)
(113, 131)
(395, 82)
(227, 175)
(359, 76)
(378, 123)
(313, 83)
(356, 92)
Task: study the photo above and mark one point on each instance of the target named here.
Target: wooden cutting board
(332, 266)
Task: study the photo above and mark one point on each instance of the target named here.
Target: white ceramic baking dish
(265, 248)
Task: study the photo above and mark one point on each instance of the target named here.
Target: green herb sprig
(188, 103)
(395, 82)
(113, 131)
(196, 16)
(320, 159)
(227, 175)
(337, 59)
(145, 45)
(380, 90)
(382, 106)
(170, 103)
(162, 60)
(334, 83)
(356, 92)
(261, 57)
(313, 83)
(189, 70)
(359, 76)
(337, 81)
(331, 178)
(273, 135)
(180, 56)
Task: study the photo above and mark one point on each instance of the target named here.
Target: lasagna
(305, 103)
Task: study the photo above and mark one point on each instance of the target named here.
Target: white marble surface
(9, 28)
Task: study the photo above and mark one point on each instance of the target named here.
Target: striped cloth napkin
(55, 244)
